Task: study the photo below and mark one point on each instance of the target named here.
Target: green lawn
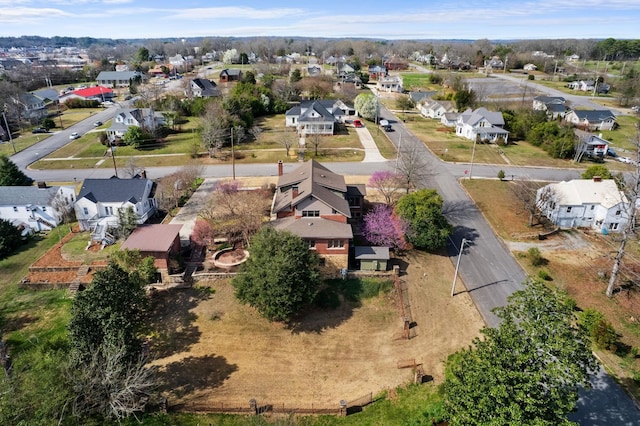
(76, 249)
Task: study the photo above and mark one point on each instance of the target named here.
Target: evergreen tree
(10, 174)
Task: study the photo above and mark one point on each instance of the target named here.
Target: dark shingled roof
(23, 195)
(371, 253)
(113, 190)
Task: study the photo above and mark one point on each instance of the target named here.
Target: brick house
(315, 203)
(160, 241)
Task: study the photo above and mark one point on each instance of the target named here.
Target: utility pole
(113, 157)
(8, 131)
(233, 157)
(455, 274)
(473, 154)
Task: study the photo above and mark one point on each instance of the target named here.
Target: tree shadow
(172, 321)
(455, 240)
(195, 373)
(457, 211)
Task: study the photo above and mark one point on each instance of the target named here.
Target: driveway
(189, 212)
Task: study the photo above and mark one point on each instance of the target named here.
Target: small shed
(372, 258)
(158, 241)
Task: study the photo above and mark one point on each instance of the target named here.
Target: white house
(117, 78)
(584, 203)
(36, 208)
(436, 109)
(554, 106)
(315, 116)
(145, 118)
(100, 200)
(390, 84)
(482, 123)
(597, 119)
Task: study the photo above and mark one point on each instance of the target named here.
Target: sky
(383, 19)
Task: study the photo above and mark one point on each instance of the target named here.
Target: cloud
(235, 12)
(16, 15)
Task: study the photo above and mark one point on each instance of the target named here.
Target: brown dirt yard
(212, 350)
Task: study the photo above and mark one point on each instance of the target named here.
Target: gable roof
(46, 94)
(23, 195)
(550, 99)
(473, 117)
(208, 87)
(158, 237)
(594, 115)
(93, 91)
(117, 75)
(577, 192)
(113, 190)
(313, 227)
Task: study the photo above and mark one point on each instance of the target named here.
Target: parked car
(357, 123)
(74, 135)
(97, 124)
(635, 108)
(385, 125)
(611, 152)
(107, 103)
(40, 130)
(626, 160)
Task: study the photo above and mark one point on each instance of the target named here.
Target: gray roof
(23, 195)
(208, 87)
(556, 107)
(418, 97)
(594, 115)
(113, 190)
(371, 253)
(231, 71)
(117, 75)
(550, 99)
(44, 94)
(313, 227)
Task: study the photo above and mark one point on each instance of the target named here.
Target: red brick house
(395, 64)
(314, 203)
(158, 241)
(227, 75)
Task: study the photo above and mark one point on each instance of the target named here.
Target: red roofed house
(162, 242)
(98, 93)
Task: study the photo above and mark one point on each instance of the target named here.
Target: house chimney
(42, 185)
(280, 168)
(143, 174)
(597, 179)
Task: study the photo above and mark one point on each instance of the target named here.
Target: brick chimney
(597, 179)
(143, 174)
(280, 168)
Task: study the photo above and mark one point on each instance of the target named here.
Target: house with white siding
(481, 123)
(584, 203)
(36, 208)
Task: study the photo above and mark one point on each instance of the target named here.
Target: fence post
(343, 407)
(253, 405)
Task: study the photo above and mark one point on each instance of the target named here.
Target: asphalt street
(488, 270)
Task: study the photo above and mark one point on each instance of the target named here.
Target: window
(618, 212)
(108, 210)
(85, 210)
(569, 209)
(15, 209)
(321, 261)
(354, 201)
(613, 226)
(335, 244)
(312, 244)
(593, 207)
(44, 208)
(310, 213)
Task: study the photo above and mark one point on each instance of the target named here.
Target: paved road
(489, 271)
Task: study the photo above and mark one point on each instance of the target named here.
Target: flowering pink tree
(203, 233)
(389, 184)
(383, 228)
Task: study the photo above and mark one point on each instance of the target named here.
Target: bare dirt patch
(221, 351)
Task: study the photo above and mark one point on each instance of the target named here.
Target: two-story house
(145, 118)
(316, 204)
(30, 107)
(436, 109)
(554, 106)
(584, 203)
(315, 116)
(390, 84)
(101, 201)
(481, 123)
(36, 208)
(203, 88)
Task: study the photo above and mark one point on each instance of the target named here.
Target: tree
(316, 141)
(526, 192)
(10, 174)
(366, 105)
(464, 98)
(203, 233)
(388, 184)
(383, 227)
(287, 139)
(140, 268)
(295, 76)
(422, 210)
(526, 371)
(280, 277)
(136, 137)
(597, 170)
(405, 103)
(109, 312)
(127, 221)
(412, 166)
(10, 238)
(142, 55)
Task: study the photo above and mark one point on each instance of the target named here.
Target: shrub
(543, 274)
(501, 174)
(531, 77)
(536, 257)
(588, 318)
(604, 336)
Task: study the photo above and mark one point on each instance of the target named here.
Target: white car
(74, 136)
(626, 160)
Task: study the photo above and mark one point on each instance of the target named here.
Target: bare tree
(316, 141)
(412, 166)
(633, 194)
(215, 131)
(256, 132)
(287, 139)
(525, 191)
(111, 387)
(131, 168)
